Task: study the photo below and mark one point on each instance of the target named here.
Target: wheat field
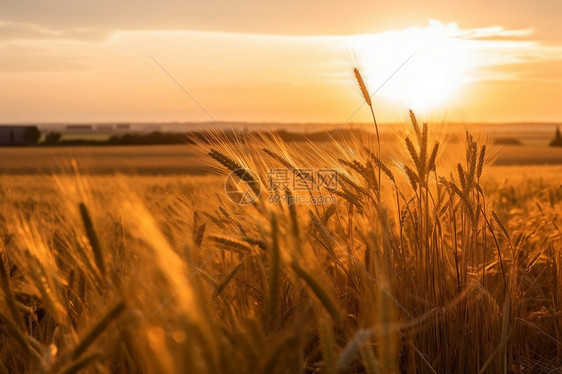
(431, 260)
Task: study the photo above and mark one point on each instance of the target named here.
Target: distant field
(167, 159)
(181, 159)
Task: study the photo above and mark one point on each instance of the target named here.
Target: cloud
(29, 47)
(289, 17)
(21, 31)
(244, 73)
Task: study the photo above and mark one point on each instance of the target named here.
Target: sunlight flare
(441, 64)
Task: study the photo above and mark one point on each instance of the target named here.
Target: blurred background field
(181, 159)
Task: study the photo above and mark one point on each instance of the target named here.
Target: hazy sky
(74, 61)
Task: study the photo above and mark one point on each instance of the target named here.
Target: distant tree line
(153, 138)
(33, 135)
(557, 141)
(162, 138)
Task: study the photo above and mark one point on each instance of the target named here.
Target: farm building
(18, 135)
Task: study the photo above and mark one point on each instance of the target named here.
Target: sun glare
(422, 68)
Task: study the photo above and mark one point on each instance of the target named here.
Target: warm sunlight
(429, 64)
(490, 73)
(281, 187)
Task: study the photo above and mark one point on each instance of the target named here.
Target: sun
(422, 68)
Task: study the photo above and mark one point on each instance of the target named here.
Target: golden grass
(430, 262)
(331, 296)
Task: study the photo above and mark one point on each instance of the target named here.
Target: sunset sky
(287, 61)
